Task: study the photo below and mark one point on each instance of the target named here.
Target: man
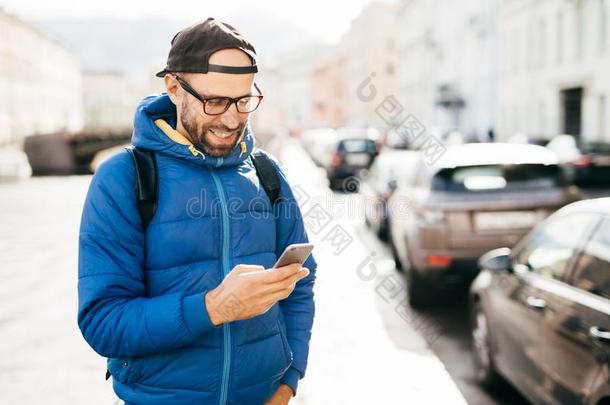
(187, 309)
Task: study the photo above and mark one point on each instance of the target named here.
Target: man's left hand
(281, 396)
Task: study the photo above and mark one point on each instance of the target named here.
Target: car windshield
(595, 147)
(498, 178)
(357, 146)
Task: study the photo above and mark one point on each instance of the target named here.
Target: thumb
(247, 268)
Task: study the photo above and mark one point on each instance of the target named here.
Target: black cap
(192, 47)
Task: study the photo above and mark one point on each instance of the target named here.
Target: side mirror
(496, 260)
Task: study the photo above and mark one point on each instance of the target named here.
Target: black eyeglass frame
(204, 100)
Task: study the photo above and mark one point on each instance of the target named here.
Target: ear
(172, 86)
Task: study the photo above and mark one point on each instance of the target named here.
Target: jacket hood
(148, 134)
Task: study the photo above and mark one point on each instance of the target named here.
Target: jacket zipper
(226, 328)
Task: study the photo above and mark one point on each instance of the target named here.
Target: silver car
(476, 197)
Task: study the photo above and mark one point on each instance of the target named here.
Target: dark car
(592, 168)
(541, 311)
(349, 158)
(587, 162)
(474, 198)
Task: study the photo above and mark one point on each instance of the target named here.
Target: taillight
(582, 161)
(336, 159)
(439, 261)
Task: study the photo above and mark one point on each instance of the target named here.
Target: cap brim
(162, 73)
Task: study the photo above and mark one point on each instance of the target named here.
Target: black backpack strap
(147, 182)
(267, 174)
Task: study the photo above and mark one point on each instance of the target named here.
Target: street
(367, 346)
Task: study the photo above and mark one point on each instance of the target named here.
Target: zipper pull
(195, 152)
(244, 148)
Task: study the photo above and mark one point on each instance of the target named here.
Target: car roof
(394, 156)
(476, 154)
(596, 205)
(357, 133)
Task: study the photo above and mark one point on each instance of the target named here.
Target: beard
(205, 137)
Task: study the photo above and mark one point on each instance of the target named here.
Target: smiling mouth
(222, 134)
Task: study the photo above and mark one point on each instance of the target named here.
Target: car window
(595, 147)
(592, 272)
(499, 178)
(551, 247)
(357, 146)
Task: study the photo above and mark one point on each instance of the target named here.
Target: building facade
(40, 83)
(533, 67)
(554, 68)
(447, 71)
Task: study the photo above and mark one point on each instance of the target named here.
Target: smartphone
(295, 253)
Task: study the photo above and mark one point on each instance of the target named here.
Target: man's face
(215, 135)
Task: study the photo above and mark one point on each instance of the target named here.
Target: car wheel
(485, 372)
(333, 184)
(382, 230)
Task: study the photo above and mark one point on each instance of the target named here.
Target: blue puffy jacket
(141, 292)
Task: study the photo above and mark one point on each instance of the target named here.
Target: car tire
(382, 230)
(336, 184)
(398, 263)
(482, 355)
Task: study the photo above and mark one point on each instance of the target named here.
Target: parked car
(474, 198)
(354, 150)
(319, 144)
(587, 162)
(541, 311)
(389, 168)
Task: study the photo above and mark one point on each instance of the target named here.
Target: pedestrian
(178, 237)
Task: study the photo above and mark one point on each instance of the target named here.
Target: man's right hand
(248, 291)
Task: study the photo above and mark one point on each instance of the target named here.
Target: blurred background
(429, 131)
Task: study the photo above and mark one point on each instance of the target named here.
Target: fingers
(279, 295)
(282, 273)
(246, 269)
(288, 283)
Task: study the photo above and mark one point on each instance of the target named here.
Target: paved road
(444, 326)
(43, 358)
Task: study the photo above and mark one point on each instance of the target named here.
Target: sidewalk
(362, 350)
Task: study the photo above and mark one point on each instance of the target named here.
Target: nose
(230, 118)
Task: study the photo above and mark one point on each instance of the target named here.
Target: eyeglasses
(218, 105)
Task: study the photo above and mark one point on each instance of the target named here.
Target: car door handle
(536, 303)
(600, 334)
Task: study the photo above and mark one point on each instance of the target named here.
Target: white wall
(550, 46)
(40, 83)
